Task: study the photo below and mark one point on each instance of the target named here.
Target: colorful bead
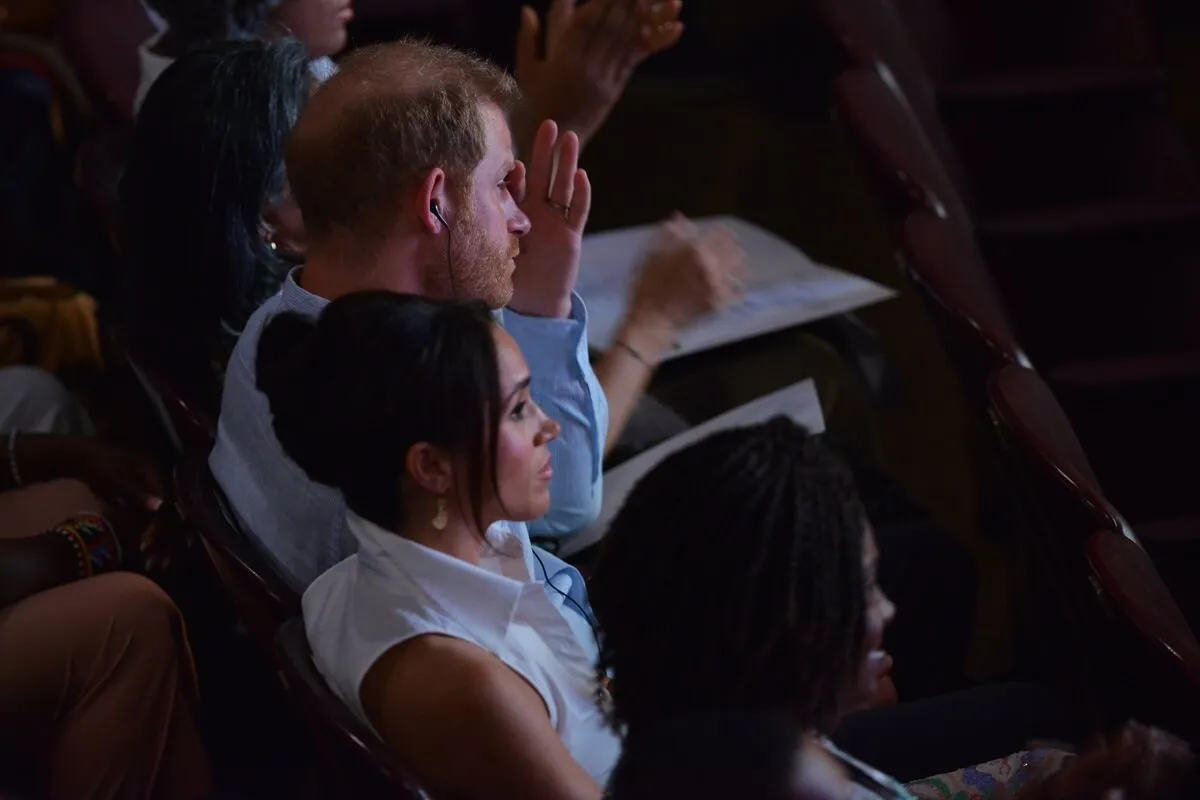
(96, 546)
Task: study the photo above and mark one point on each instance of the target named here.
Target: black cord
(582, 611)
(437, 212)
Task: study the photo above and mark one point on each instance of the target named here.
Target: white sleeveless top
(394, 590)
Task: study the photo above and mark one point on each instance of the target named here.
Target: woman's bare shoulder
(442, 675)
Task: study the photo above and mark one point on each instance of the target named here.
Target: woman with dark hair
(776, 584)
(187, 24)
(211, 226)
(469, 651)
(778, 610)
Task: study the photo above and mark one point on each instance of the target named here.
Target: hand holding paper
(686, 274)
(782, 287)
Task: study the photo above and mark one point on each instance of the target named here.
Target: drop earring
(441, 518)
(271, 243)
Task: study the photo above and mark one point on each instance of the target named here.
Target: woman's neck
(458, 539)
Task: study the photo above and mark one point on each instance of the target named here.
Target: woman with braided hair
(741, 574)
(743, 486)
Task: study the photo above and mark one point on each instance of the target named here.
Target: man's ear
(429, 468)
(431, 194)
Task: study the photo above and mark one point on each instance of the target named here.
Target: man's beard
(479, 269)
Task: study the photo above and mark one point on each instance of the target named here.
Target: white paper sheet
(784, 287)
(798, 401)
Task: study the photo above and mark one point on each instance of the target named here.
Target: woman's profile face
(879, 612)
(523, 465)
(320, 24)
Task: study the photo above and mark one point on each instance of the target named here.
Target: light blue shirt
(301, 525)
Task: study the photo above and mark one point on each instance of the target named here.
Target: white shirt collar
(297, 298)
(482, 598)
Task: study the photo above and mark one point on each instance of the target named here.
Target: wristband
(96, 546)
(633, 352)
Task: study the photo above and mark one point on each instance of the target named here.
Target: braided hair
(724, 753)
(733, 576)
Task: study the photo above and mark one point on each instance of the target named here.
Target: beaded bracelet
(96, 546)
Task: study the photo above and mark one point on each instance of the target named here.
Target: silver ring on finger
(565, 209)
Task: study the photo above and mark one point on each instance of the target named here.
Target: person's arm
(34, 564)
(686, 274)
(468, 725)
(71, 550)
(125, 487)
(576, 70)
(567, 389)
(626, 369)
(112, 472)
(29, 458)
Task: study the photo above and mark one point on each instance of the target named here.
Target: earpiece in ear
(437, 212)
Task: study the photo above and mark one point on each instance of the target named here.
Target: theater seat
(1152, 653)
(354, 759)
(904, 149)
(262, 598)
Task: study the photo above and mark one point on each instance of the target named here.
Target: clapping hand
(556, 196)
(590, 53)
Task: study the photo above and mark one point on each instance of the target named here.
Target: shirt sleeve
(566, 388)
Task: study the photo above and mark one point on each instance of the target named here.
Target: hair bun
(293, 375)
(285, 345)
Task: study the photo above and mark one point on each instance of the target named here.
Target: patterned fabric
(97, 549)
(1001, 779)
